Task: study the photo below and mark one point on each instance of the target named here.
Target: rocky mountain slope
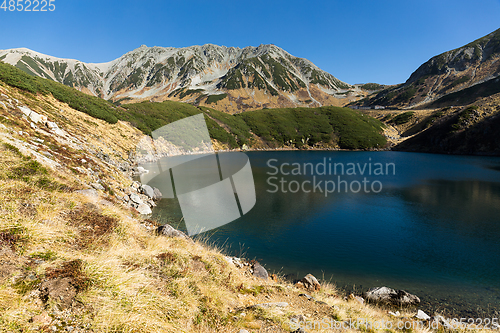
(456, 77)
(471, 130)
(226, 78)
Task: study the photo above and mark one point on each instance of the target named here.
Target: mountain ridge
(474, 66)
(238, 79)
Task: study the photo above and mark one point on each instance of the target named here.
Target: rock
(260, 272)
(306, 296)
(394, 314)
(60, 290)
(136, 198)
(97, 186)
(141, 170)
(390, 296)
(243, 331)
(59, 132)
(235, 261)
(144, 209)
(309, 282)
(422, 315)
(148, 190)
(88, 193)
(158, 194)
(37, 118)
(168, 231)
(51, 125)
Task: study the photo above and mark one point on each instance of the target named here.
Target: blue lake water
(429, 225)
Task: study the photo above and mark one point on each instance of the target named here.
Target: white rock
(136, 198)
(148, 190)
(35, 117)
(422, 315)
(142, 170)
(26, 110)
(144, 209)
(51, 125)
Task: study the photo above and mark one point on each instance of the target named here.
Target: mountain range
(226, 78)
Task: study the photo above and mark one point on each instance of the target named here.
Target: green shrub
(402, 118)
(215, 98)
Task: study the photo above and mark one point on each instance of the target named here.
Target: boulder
(136, 198)
(148, 190)
(158, 194)
(309, 282)
(390, 296)
(144, 209)
(168, 231)
(141, 170)
(51, 125)
(260, 272)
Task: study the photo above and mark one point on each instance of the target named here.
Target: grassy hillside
(93, 106)
(329, 126)
(270, 128)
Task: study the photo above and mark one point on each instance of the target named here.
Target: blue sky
(361, 41)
